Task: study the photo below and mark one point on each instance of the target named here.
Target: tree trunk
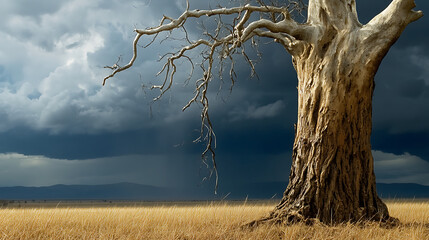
(332, 178)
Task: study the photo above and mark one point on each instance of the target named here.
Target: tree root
(391, 222)
(293, 218)
(289, 219)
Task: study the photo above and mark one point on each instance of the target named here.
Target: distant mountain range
(132, 191)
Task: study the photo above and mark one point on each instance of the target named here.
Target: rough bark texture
(332, 177)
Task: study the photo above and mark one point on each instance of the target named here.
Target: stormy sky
(58, 125)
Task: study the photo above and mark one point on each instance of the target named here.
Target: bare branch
(114, 66)
(242, 33)
(222, 44)
(385, 28)
(396, 17)
(133, 59)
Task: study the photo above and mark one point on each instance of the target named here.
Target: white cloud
(257, 112)
(405, 168)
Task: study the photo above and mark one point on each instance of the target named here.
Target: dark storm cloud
(53, 109)
(31, 8)
(402, 89)
(400, 106)
(65, 81)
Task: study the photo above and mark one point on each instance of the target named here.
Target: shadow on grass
(416, 224)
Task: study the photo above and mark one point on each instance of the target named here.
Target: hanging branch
(278, 25)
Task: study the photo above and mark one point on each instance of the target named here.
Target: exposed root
(289, 219)
(391, 222)
(295, 218)
(259, 222)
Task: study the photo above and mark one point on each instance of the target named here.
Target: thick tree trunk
(332, 178)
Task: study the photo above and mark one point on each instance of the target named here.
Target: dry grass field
(193, 221)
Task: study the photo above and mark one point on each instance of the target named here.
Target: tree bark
(332, 177)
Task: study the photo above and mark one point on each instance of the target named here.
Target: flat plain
(190, 220)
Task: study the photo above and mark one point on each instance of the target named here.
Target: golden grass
(204, 221)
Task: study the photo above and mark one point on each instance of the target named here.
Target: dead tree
(336, 57)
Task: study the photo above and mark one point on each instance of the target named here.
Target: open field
(190, 221)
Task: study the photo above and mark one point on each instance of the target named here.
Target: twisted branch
(281, 28)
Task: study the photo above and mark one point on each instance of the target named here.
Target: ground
(189, 220)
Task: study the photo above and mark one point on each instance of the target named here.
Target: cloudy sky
(58, 125)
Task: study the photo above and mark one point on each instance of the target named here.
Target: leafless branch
(227, 40)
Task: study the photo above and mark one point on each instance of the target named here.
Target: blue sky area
(58, 125)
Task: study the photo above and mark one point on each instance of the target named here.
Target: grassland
(192, 221)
